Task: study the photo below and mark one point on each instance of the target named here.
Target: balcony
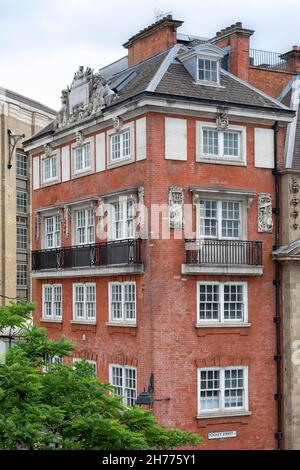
(271, 60)
(99, 259)
(233, 257)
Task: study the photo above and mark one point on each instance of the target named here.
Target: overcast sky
(42, 42)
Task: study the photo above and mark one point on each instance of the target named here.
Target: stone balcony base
(113, 270)
(215, 269)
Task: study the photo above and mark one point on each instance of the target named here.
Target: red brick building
(185, 307)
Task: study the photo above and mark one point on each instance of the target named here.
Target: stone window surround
(221, 160)
(88, 171)
(57, 179)
(123, 161)
(245, 200)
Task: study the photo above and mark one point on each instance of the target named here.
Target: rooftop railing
(270, 60)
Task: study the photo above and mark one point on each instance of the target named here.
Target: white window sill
(83, 322)
(223, 325)
(220, 414)
(221, 160)
(51, 320)
(86, 172)
(123, 324)
(50, 182)
(122, 161)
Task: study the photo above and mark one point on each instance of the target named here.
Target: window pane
(210, 142)
(207, 70)
(21, 165)
(232, 144)
(233, 302)
(234, 388)
(230, 219)
(90, 302)
(208, 218)
(21, 238)
(22, 202)
(209, 302)
(116, 301)
(21, 275)
(129, 302)
(130, 387)
(209, 390)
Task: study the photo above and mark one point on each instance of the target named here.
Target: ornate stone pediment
(88, 94)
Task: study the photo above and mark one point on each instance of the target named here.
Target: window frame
(22, 227)
(220, 201)
(124, 368)
(54, 233)
(222, 410)
(222, 321)
(122, 320)
(25, 285)
(52, 179)
(18, 193)
(123, 160)
(20, 164)
(53, 316)
(86, 210)
(210, 59)
(86, 170)
(221, 158)
(85, 318)
(122, 201)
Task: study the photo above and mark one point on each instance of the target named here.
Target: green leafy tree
(66, 408)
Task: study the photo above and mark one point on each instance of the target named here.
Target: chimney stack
(238, 39)
(152, 40)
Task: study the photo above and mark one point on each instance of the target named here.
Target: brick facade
(165, 341)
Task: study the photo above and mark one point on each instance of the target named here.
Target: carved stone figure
(176, 207)
(265, 221)
(63, 113)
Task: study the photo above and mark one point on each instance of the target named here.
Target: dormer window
(208, 70)
(203, 63)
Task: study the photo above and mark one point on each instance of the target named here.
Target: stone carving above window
(265, 221)
(89, 94)
(176, 207)
(222, 119)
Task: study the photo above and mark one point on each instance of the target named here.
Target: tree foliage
(67, 408)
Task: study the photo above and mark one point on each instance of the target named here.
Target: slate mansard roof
(164, 75)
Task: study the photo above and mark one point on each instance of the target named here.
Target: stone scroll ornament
(176, 207)
(265, 221)
(89, 94)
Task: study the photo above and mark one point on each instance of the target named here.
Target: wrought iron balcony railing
(271, 60)
(223, 252)
(123, 252)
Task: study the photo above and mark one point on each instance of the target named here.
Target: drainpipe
(276, 282)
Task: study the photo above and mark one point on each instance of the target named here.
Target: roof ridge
(253, 88)
(162, 69)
